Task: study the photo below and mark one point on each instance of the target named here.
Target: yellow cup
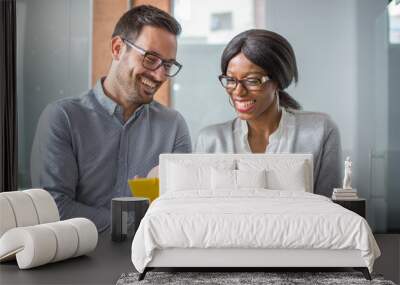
(145, 187)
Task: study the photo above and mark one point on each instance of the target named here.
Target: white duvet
(250, 218)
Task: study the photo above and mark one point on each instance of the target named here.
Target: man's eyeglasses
(251, 83)
(152, 61)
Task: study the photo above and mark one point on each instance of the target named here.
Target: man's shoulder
(74, 106)
(83, 100)
(64, 109)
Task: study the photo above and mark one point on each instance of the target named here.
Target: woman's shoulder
(216, 137)
(218, 129)
(311, 119)
(316, 133)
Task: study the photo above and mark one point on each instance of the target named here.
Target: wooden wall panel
(162, 4)
(105, 15)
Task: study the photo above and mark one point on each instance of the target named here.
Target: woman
(257, 66)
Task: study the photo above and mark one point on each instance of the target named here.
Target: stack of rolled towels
(31, 231)
(344, 194)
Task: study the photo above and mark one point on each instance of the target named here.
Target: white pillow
(251, 178)
(188, 175)
(282, 173)
(223, 179)
(236, 179)
(184, 178)
(287, 180)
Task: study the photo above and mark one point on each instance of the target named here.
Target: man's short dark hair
(131, 23)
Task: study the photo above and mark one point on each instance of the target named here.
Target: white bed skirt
(193, 257)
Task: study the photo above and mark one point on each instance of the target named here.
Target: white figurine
(347, 174)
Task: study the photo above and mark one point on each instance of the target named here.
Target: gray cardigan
(298, 132)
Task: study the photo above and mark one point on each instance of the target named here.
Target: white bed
(219, 217)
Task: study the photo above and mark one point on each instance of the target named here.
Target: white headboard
(272, 159)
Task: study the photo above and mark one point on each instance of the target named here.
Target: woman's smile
(245, 106)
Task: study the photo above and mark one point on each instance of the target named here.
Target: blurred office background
(348, 54)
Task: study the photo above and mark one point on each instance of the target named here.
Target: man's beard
(131, 91)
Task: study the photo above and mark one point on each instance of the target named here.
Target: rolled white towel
(67, 240)
(7, 218)
(26, 208)
(23, 208)
(87, 235)
(40, 244)
(45, 205)
(32, 246)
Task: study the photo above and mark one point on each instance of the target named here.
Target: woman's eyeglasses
(152, 61)
(251, 83)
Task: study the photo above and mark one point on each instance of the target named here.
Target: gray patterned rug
(243, 278)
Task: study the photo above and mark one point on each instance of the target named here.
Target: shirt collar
(285, 122)
(244, 128)
(110, 105)
(106, 102)
(282, 125)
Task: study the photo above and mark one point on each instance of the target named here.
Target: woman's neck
(266, 123)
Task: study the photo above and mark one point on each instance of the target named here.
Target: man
(86, 148)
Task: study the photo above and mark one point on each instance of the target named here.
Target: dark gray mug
(126, 214)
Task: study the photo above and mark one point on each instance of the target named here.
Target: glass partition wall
(53, 62)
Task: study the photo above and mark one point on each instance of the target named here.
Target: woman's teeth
(244, 105)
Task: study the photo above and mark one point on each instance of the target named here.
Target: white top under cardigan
(298, 132)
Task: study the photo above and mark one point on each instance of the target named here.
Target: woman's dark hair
(131, 23)
(271, 52)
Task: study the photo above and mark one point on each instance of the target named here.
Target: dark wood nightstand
(357, 205)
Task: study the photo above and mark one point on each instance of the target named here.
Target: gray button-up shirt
(84, 153)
